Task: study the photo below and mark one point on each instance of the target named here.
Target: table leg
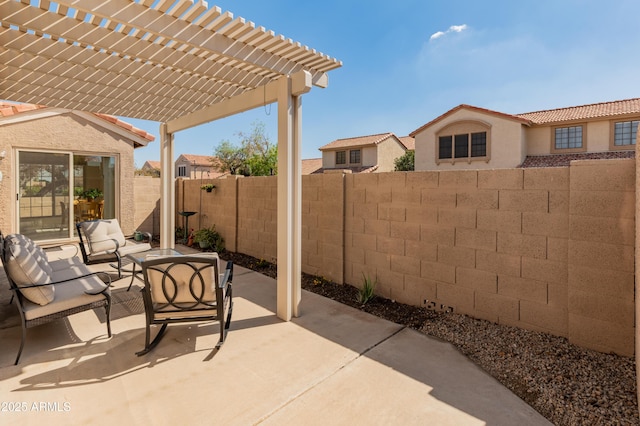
(133, 276)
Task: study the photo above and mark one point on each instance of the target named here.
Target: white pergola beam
(255, 98)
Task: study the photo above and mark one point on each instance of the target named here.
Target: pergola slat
(102, 64)
(173, 61)
(145, 50)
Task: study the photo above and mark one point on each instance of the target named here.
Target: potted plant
(209, 238)
(92, 193)
(207, 187)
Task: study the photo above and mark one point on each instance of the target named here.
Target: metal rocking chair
(185, 289)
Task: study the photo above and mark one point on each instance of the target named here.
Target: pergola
(173, 61)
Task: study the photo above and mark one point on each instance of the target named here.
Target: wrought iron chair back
(186, 289)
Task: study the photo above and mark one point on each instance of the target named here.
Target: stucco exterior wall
(538, 140)
(597, 137)
(193, 172)
(369, 155)
(65, 133)
(383, 154)
(328, 159)
(505, 145)
(388, 151)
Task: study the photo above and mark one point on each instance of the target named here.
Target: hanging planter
(208, 187)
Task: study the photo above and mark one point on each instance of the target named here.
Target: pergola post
(167, 189)
(289, 202)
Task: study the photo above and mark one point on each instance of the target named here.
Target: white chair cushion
(26, 270)
(131, 247)
(61, 264)
(102, 235)
(36, 251)
(68, 295)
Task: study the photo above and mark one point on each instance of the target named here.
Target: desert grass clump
(367, 291)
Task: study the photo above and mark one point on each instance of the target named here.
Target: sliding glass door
(50, 197)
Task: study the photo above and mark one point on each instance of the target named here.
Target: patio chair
(186, 289)
(45, 291)
(102, 241)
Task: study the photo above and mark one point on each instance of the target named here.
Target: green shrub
(209, 238)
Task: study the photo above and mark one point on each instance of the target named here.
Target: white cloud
(458, 28)
(436, 35)
(453, 28)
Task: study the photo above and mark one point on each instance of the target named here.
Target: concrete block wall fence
(548, 249)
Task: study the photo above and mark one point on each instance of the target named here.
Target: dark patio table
(138, 258)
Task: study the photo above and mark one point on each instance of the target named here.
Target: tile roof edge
(577, 106)
(382, 137)
(19, 108)
(524, 121)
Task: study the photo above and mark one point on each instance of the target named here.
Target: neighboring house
(311, 166)
(193, 166)
(469, 137)
(53, 160)
(408, 142)
(151, 165)
(364, 154)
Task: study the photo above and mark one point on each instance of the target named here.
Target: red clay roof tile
(8, 109)
(357, 141)
(563, 160)
(583, 112)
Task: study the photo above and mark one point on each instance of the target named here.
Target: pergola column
(167, 189)
(287, 91)
(289, 201)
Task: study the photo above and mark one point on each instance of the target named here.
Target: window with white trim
(182, 171)
(341, 157)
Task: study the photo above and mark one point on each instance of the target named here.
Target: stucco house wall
(329, 159)
(379, 151)
(505, 145)
(528, 139)
(597, 136)
(388, 151)
(77, 132)
(369, 156)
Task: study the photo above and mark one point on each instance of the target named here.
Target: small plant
(319, 280)
(366, 293)
(207, 187)
(262, 263)
(209, 238)
(92, 193)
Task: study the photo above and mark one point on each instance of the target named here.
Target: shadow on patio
(333, 365)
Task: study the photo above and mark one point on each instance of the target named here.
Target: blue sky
(407, 62)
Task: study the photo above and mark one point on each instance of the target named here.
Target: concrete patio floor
(333, 365)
